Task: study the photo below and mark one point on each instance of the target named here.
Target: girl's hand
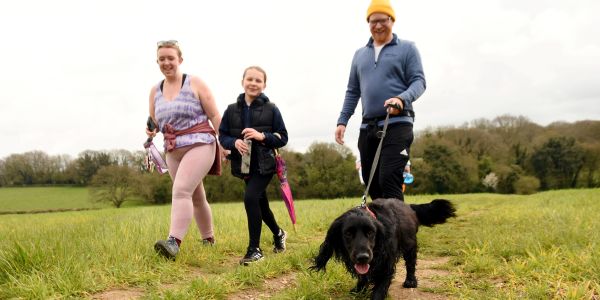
(251, 133)
(241, 147)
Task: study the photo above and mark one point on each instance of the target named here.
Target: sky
(76, 75)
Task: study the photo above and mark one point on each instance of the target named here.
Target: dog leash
(363, 204)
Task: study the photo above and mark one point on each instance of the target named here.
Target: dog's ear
(380, 236)
(333, 244)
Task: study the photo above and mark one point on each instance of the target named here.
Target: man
(387, 76)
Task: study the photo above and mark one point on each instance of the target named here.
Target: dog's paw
(357, 290)
(408, 284)
(316, 268)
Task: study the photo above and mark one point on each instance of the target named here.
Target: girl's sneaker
(279, 241)
(252, 255)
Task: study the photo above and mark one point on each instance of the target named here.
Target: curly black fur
(356, 237)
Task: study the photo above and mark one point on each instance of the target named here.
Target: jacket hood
(262, 99)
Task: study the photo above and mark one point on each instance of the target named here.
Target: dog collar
(369, 211)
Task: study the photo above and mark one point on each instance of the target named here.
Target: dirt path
(137, 293)
(119, 294)
(427, 271)
(273, 286)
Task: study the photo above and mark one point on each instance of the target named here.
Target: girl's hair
(257, 68)
(169, 44)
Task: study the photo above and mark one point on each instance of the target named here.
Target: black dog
(370, 242)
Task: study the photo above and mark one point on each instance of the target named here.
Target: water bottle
(153, 153)
(408, 178)
(245, 168)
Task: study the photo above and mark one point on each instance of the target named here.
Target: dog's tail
(435, 212)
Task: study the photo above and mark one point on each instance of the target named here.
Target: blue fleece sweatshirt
(397, 73)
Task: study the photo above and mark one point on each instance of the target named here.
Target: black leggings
(257, 207)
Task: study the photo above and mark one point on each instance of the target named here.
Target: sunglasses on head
(167, 43)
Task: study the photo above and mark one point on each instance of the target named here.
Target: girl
(253, 120)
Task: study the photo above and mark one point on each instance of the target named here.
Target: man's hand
(390, 103)
(339, 134)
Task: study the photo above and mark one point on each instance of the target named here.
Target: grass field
(41, 199)
(44, 198)
(541, 246)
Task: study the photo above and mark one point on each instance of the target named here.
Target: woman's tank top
(182, 113)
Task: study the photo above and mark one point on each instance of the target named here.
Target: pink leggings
(187, 167)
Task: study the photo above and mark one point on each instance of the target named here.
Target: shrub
(527, 185)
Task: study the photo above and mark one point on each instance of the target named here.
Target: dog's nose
(362, 258)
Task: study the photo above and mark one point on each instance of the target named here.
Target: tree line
(508, 154)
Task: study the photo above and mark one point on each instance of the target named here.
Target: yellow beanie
(381, 6)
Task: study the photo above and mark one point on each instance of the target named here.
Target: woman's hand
(223, 152)
(251, 133)
(151, 133)
(241, 146)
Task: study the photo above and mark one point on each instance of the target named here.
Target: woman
(253, 120)
(182, 106)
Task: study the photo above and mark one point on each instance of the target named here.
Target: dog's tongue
(361, 268)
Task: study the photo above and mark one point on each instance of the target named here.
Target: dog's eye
(370, 233)
(348, 234)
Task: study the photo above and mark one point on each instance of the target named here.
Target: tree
(591, 170)
(330, 171)
(508, 176)
(17, 171)
(89, 162)
(443, 173)
(154, 188)
(558, 162)
(114, 184)
(2, 173)
(224, 188)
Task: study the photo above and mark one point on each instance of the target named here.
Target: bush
(154, 188)
(527, 185)
(490, 182)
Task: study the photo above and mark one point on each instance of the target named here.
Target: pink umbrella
(286, 191)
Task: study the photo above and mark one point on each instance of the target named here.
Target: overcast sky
(76, 75)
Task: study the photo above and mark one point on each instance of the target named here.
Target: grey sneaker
(252, 255)
(279, 241)
(210, 241)
(167, 248)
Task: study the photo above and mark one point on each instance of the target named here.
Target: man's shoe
(252, 255)
(167, 248)
(279, 241)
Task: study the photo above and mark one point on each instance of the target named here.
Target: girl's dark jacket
(263, 116)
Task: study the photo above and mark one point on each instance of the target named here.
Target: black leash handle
(151, 126)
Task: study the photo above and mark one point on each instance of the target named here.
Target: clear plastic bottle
(154, 155)
(408, 178)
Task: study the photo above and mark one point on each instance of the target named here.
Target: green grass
(41, 199)
(541, 246)
(44, 198)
